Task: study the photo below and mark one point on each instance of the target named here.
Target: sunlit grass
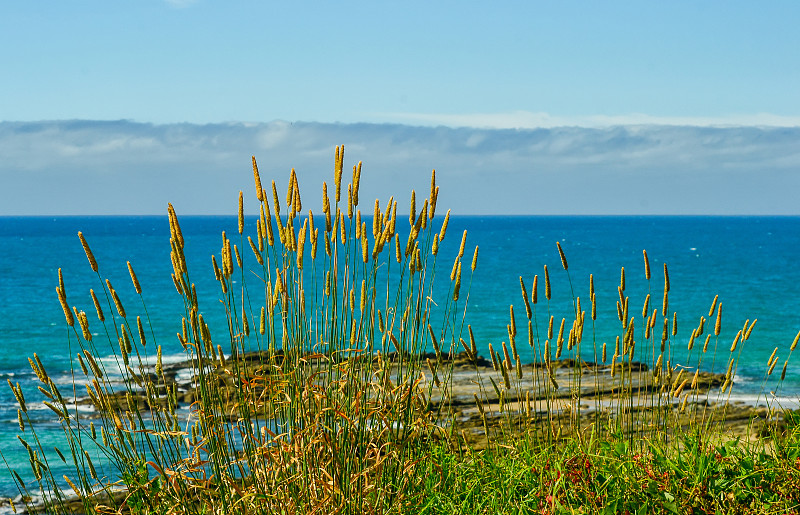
(334, 389)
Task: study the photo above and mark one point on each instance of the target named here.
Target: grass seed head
(736, 341)
(525, 300)
(257, 178)
(562, 256)
(97, 307)
(62, 299)
(134, 279)
(713, 305)
(443, 230)
(89, 255)
(772, 367)
(547, 291)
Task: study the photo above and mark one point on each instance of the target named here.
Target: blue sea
(750, 262)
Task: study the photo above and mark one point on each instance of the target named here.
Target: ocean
(749, 262)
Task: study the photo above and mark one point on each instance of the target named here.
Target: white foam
(764, 399)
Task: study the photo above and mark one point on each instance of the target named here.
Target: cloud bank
(123, 167)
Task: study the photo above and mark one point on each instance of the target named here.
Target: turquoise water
(750, 262)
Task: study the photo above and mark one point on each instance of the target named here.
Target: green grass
(320, 398)
(607, 476)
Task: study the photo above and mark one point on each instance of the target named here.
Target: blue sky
(634, 82)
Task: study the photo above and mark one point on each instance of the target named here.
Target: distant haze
(123, 167)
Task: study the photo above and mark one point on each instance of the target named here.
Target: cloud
(532, 120)
(123, 167)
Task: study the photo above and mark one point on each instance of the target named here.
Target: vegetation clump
(348, 382)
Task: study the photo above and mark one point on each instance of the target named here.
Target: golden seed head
(290, 190)
(245, 323)
(241, 212)
(713, 305)
(275, 200)
(772, 367)
(705, 345)
(562, 256)
(750, 329)
(398, 252)
(365, 244)
(89, 255)
(622, 278)
(535, 290)
(475, 258)
(338, 169)
(67, 311)
(117, 303)
(646, 306)
(175, 228)
(674, 323)
(718, 324)
(646, 265)
(297, 205)
(454, 270)
(546, 283)
(350, 201)
(376, 219)
(134, 279)
(256, 253)
(434, 199)
(140, 327)
(412, 212)
(97, 307)
(666, 278)
(457, 285)
(443, 230)
(257, 178)
(463, 243)
(61, 284)
(356, 182)
(84, 322)
(525, 300)
(771, 357)
(794, 342)
(730, 369)
(159, 366)
(736, 341)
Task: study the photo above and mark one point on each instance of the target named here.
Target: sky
(521, 107)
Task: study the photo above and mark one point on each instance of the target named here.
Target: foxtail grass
(334, 388)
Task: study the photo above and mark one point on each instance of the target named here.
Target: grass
(334, 389)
